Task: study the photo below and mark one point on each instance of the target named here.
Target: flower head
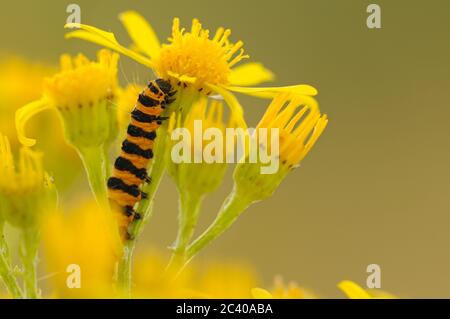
(196, 58)
(25, 188)
(299, 124)
(81, 81)
(194, 61)
(82, 92)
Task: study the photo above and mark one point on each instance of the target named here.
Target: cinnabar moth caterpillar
(130, 167)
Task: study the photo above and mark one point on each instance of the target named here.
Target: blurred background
(375, 189)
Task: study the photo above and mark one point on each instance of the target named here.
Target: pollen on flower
(300, 124)
(193, 58)
(82, 81)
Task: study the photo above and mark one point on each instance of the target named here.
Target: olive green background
(375, 189)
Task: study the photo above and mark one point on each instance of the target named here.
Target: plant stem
(189, 211)
(96, 163)
(6, 273)
(125, 268)
(29, 248)
(233, 206)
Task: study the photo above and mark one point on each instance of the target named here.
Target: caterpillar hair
(130, 167)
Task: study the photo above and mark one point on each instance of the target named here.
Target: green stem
(187, 221)
(125, 268)
(29, 249)
(96, 165)
(233, 206)
(189, 212)
(6, 273)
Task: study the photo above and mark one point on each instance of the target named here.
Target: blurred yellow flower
(280, 290)
(21, 81)
(152, 281)
(83, 238)
(198, 280)
(26, 190)
(354, 291)
(227, 280)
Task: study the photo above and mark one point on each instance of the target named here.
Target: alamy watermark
(374, 19)
(373, 281)
(74, 11)
(73, 280)
(237, 145)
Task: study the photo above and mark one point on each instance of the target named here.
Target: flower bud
(26, 190)
(297, 121)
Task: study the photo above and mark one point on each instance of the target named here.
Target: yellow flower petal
(353, 290)
(250, 74)
(141, 32)
(259, 293)
(271, 92)
(106, 39)
(24, 114)
(237, 112)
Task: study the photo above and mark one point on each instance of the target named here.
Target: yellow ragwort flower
(82, 92)
(299, 124)
(192, 60)
(25, 188)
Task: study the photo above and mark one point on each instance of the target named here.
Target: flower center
(193, 58)
(81, 81)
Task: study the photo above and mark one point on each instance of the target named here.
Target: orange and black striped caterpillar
(130, 167)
